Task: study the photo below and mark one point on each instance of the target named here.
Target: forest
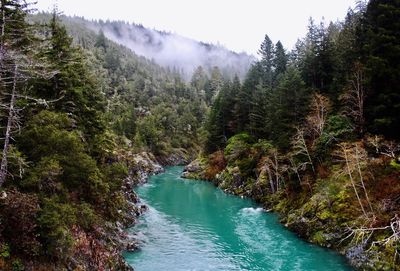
(310, 133)
(313, 135)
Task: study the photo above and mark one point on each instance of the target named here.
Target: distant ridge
(170, 50)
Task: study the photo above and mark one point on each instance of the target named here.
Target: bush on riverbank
(349, 205)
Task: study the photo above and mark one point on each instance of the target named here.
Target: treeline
(353, 63)
(313, 134)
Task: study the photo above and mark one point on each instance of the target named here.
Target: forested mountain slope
(73, 118)
(150, 105)
(168, 49)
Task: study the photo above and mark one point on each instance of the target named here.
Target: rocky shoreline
(142, 166)
(307, 224)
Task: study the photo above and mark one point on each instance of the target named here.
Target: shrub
(19, 212)
(54, 220)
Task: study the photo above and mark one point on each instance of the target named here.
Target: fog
(174, 51)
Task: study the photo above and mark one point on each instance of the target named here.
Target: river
(191, 225)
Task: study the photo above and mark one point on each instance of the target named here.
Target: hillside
(314, 136)
(169, 50)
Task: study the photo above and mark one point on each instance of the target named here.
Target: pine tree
(101, 40)
(199, 79)
(258, 115)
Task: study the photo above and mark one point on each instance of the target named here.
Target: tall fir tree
(280, 60)
(266, 52)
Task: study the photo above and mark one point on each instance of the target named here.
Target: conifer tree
(380, 41)
(17, 67)
(266, 52)
(74, 82)
(215, 85)
(280, 60)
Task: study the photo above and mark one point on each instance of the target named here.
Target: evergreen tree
(73, 82)
(246, 99)
(199, 79)
(280, 60)
(287, 107)
(215, 85)
(380, 39)
(234, 103)
(222, 122)
(18, 65)
(101, 40)
(266, 52)
(258, 114)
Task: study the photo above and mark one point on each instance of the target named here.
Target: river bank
(321, 212)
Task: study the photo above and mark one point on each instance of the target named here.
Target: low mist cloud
(174, 51)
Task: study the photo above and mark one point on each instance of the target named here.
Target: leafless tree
(316, 121)
(300, 148)
(18, 65)
(363, 235)
(354, 97)
(274, 169)
(384, 147)
(354, 157)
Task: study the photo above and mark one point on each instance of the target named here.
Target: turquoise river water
(191, 225)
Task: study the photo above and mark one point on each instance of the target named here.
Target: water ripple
(194, 226)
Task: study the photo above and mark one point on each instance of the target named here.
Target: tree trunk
(352, 181)
(3, 24)
(362, 180)
(11, 115)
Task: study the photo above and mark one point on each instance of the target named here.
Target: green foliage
(149, 134)
(288, 107)
(48, 141)
(338, 129)
(263, 146)
(115, 173)
(5, 251)
(280, 60)
(318, 238)
(266, 52)
(219, 120)
(237, 147)
(55, 220)
(395, 164)
(17, 265)
(87, 217)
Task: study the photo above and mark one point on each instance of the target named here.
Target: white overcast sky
(240, 25)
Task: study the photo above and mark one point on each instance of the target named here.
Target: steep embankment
(69, 159)
(350, 204)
